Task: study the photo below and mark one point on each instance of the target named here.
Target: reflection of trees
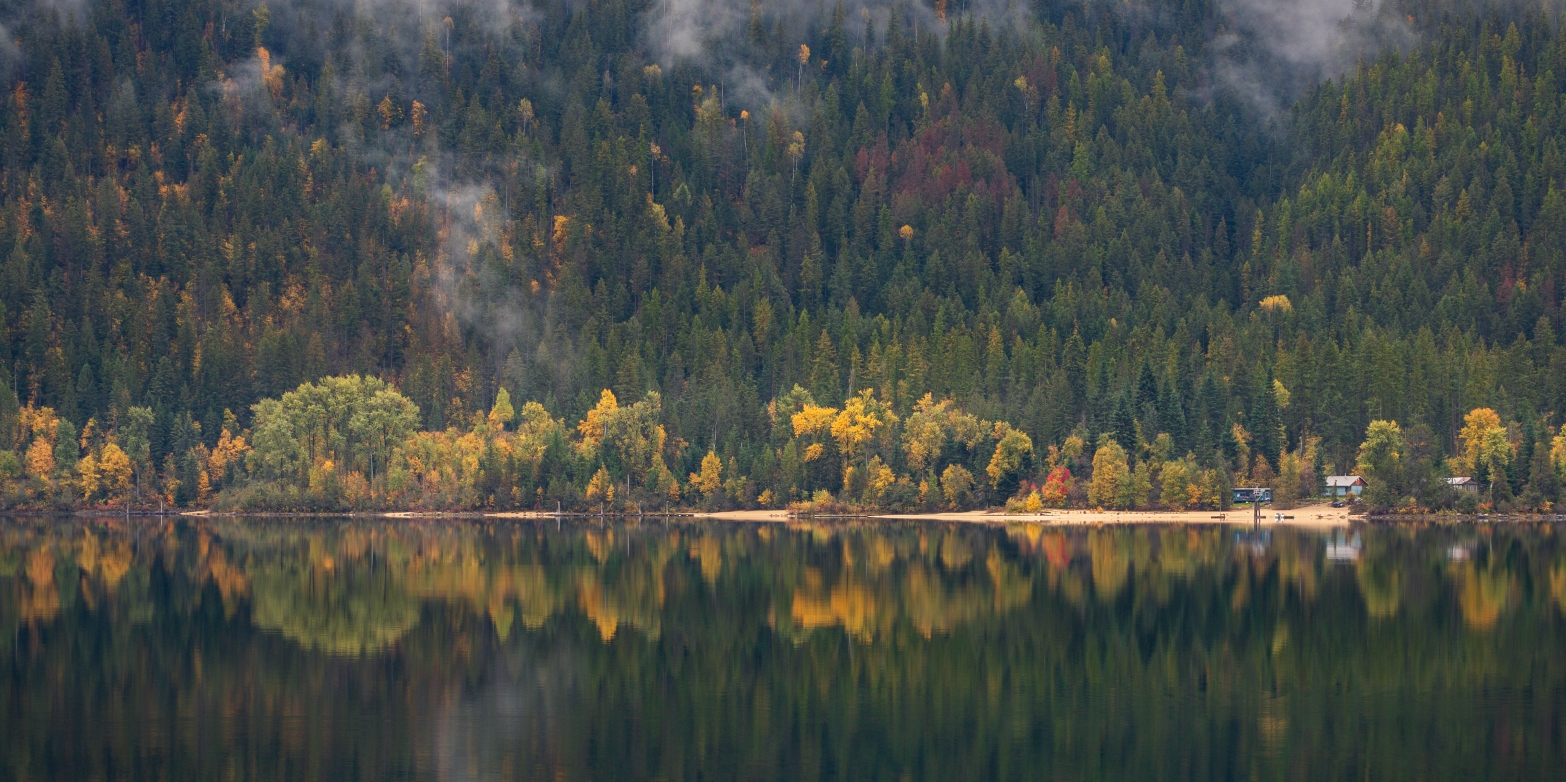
(1380, 583)
(349, 610)
(1558, 585)
(1111, 561)
(935, 588)
(518, 639)
(633, 598)
(42, 598)
(1483, 593)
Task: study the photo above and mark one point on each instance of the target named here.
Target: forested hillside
(1056, 249)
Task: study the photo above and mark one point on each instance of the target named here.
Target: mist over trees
(1073, 226)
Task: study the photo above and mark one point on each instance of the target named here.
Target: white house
(1345, 485)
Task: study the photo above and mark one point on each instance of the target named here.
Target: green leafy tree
(1381, 463)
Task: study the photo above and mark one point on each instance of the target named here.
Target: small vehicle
(1339, 504)
(1254, 495)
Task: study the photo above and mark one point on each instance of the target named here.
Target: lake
(226, 648)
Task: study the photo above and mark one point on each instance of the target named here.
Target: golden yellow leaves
(601, 487)
(39, 461)
(812, 420)
(271, 75)
(956, 482)
(1558, 452)
(859, 421)
(42, 424)
(114, 467)
(1109, 472)
(1483, 439)
(1278, 304)
(1484, 594)
(391, 113)
(419, 116)
(593, 426)
(880, 477)
(710, 479)
(230, 450)
(501, 413)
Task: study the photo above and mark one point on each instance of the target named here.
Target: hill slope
(1077, 225)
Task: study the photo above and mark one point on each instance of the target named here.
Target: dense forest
(464, 254)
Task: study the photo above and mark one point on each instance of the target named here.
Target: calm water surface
(267, 649)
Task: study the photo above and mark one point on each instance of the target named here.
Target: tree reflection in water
(251, 648)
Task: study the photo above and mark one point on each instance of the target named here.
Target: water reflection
(243, 648)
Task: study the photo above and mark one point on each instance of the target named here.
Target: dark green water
(257, 649)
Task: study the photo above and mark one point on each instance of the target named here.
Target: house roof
(1460, 480)
(1344, 481)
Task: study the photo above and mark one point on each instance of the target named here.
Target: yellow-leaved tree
(115, 469)
(594, 427)
(1110, 472)
(601, 487)
(1486, 452)
(628, 438)
(811, 423)
(502, 412)
(1558, 453)
(956, 482)
(42, 426)
(710, 479)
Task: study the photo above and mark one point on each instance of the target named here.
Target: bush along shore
(353, 443)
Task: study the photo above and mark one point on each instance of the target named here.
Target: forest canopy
(454, 254)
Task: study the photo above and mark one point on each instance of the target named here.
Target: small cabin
(1341, 486)
(1463, 483)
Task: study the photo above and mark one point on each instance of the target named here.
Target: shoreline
(1320, 515)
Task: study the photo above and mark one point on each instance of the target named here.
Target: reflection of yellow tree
(873, 593)
(1483, 595)
(1111, 562)
(42, 602)
(1558, 585)
(1380, 584)
(709, 553)
(956, 553)
(214, 567)
(635, 598)
(848, 605)
(106, 559)
(1298, 565)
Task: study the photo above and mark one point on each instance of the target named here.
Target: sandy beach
(1322, 515)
